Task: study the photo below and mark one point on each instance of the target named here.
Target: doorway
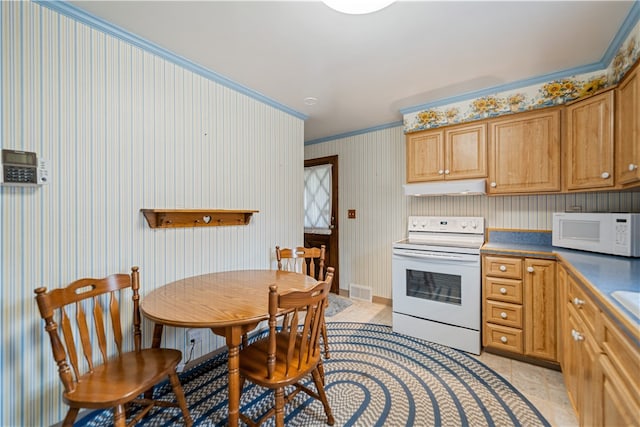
(321, 210)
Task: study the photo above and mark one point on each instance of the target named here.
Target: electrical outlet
(195, 335)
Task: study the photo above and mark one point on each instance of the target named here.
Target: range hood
(446, 188)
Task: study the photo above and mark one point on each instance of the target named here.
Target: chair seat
(123, 378)
(253, 363)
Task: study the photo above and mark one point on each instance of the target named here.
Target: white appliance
(436, 281)
(458, 187)
(607, 233)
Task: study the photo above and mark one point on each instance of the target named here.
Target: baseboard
(381, 300)
(376, 300)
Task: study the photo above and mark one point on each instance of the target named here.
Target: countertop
(605, 273)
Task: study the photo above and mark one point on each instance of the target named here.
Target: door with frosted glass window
(320, 210)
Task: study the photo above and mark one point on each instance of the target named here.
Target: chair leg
(279, 392)
(179, 392)
(245, 340)
(323, 396)
(321, 371)
(71, 417)
(119, 416)
(325, 340)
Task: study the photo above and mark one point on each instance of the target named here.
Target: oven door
(437, 286)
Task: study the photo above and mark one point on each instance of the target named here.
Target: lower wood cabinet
(580, 368)
(618, 405)
(540, 308)
(600, 363)
(519, 306)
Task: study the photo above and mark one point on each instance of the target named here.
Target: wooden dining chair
(102, 381)
(287, 355)
(309, 261)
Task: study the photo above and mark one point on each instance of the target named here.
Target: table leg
(157, 335)
(155, 343)
(234, 337)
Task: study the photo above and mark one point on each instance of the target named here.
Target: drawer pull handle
(503, 291)
(577, 336)
(440, 172)
(632, 167)
(503, 339)
(503, 268)
(578, 301)
(503, 315)
(530, 269)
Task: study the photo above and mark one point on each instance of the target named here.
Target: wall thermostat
(23, 169)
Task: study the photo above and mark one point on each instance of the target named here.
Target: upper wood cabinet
(457, 152)
(627, 151)
(524, 153)
(588, 143)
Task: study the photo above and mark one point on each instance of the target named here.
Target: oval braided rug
(374, 377)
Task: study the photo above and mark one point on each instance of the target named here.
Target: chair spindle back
(78, 298)
(308, 261)
(302, 344)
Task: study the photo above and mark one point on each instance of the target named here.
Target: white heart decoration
(207, 219)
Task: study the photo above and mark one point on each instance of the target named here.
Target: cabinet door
(466, 152)
(562, 312)
(581, 370)
(524, 153)
(618, 406)
(628, 129)
(540, 308)
(588, 147)
(425, 156)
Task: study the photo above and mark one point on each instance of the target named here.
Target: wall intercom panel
(23, 169)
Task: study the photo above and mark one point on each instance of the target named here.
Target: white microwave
(607, 233)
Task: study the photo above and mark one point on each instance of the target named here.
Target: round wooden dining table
(230, 303)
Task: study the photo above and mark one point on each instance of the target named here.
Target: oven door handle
(435, 255)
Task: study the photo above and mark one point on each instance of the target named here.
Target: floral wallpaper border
(527, 98)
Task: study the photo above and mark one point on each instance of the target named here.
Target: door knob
(605, 175)
(632, 167)
(440, 172)
(446, 171)
(494, 185)
(503, 268)
(530, 269)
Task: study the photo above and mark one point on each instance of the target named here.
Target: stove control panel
(436, 224)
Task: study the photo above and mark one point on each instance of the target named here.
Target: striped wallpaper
(122, 130)
(372, 172)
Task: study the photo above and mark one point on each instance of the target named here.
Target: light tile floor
(543, 387)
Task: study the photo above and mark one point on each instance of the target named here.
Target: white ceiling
(364, 68)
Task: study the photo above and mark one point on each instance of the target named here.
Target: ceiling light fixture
(357, 7)
(310, 100)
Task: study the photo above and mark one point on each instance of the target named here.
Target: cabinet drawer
(584, 306)
(503, 313)
(507, 290)
(503, 337)
(503, 267)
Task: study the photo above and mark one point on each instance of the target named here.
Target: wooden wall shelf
(173, 218)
